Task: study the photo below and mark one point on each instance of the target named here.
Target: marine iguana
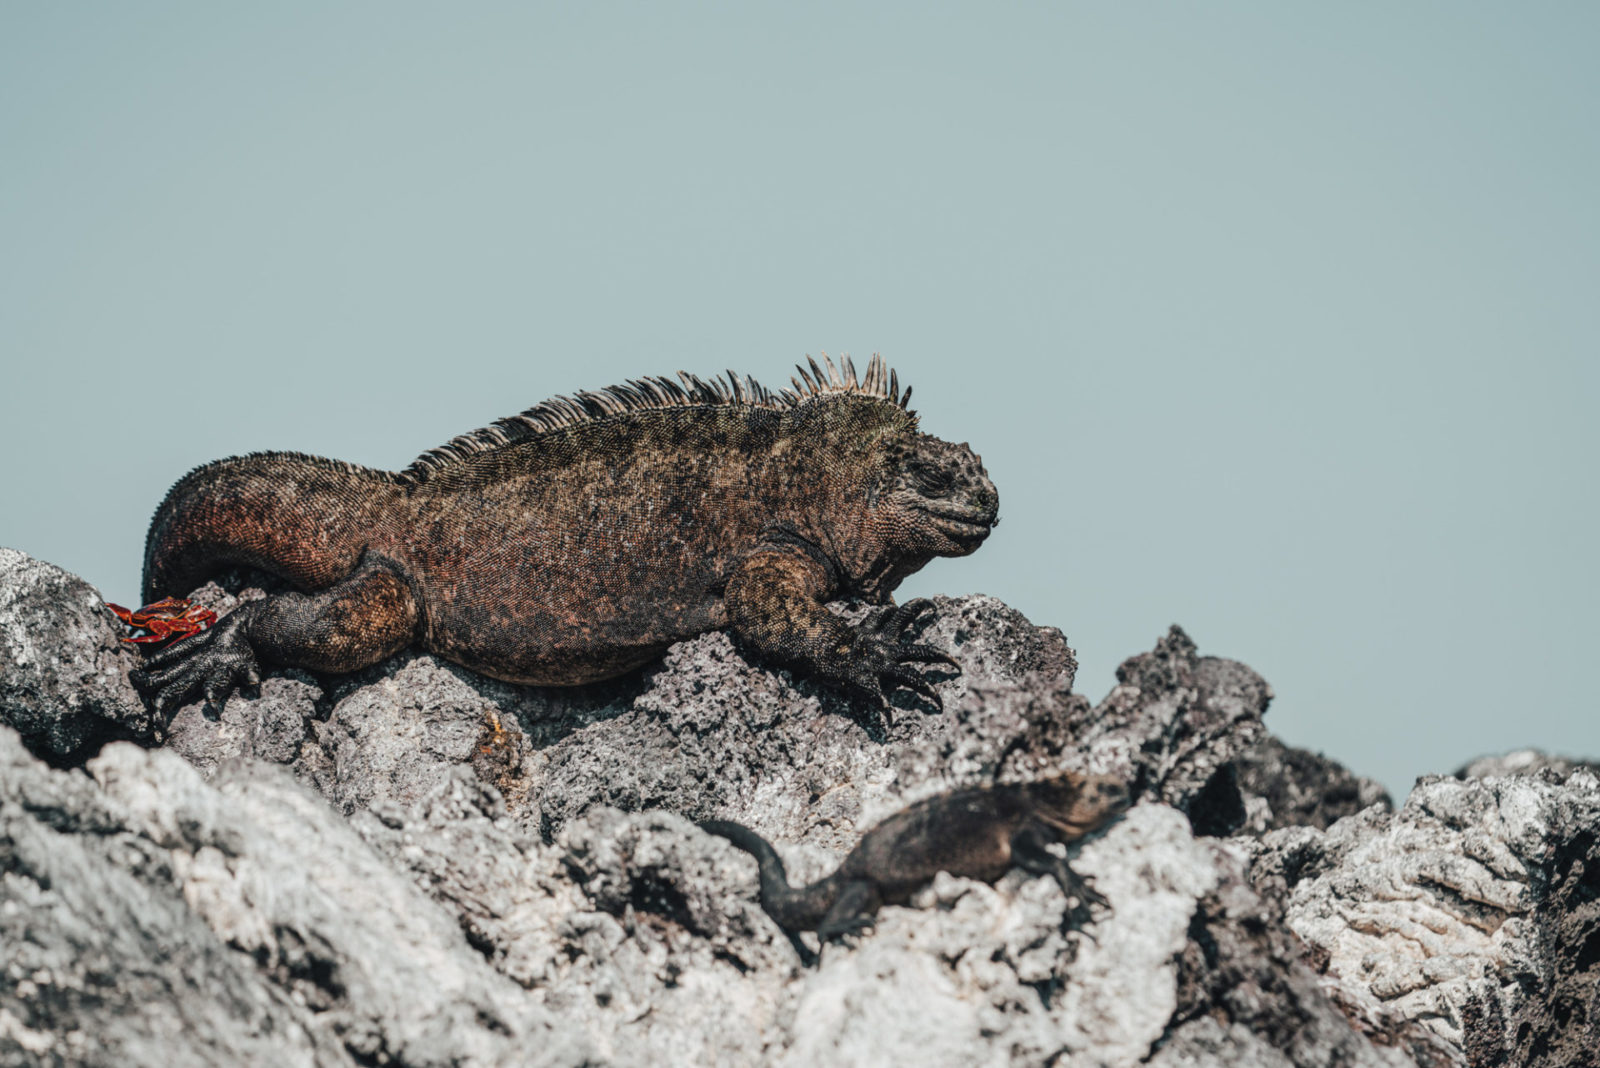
(976, 833)
(579, 539)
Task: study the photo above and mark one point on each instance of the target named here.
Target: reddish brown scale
(583, 537)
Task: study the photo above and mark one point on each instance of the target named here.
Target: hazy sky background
(1277, 321)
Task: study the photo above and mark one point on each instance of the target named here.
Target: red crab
(172, 617)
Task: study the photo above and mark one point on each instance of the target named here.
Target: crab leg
(169, 618)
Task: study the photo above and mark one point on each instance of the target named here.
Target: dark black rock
(1299, 788)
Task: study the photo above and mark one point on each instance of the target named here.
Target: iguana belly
(536, 647)
(551, 626)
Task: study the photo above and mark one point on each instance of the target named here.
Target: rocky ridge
(418, 865)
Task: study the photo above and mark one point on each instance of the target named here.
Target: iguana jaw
(1096, 801)
(965, 527)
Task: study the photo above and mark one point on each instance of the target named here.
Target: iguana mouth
(1073, 827)
(962, 525)
(1082, 819)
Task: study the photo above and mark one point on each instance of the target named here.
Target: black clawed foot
(845, 929)
(896, 622)
(1082, 901)
(879, 664)
(918, 685)
(866, 687)
(210, 665)
(927, 654)
(808, 957)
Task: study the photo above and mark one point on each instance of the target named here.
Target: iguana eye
(932, 481)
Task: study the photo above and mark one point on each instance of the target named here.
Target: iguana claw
(847, 928)
(882, 664)
(894, 622)
(927, 654)
(915, 683)
(170, 618)
(210, 666)
(885, 654)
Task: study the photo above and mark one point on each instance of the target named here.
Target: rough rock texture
(1174, 726)
(498, 874)
(148, 916)
(706, 733)
(1467, 924)
(63, 678)
(1525, 762)
(1288, 787)
(648, 934)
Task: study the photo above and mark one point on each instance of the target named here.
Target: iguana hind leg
(775, 603)
(855, 910)
(357, 622)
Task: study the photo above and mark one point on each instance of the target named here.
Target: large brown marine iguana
(581, 538)
(977, 833)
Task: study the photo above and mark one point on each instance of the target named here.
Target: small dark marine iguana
(977, 833)
(581, 538)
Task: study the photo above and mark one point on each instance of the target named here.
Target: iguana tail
(794, 908)
(302, 518)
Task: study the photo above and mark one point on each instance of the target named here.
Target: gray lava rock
(511, 875)
(713, 734)
(63, 672)
(104, 962)
(708, 732)
(716, 736)
(1288, 787)
(649, 936)
(149, 917)
(1466, 925)
(1175, 727)
(1525, 762)
(390, 733)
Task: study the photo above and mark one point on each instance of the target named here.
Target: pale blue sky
(1277, 321)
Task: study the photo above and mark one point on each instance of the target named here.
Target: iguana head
(936, 498)
(1076, 805)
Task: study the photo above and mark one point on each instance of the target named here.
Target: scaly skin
(582, 538)
(978, 833)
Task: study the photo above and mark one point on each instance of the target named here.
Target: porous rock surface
(1474, 910)
(417, 865)
(148, 916)
(63, 678)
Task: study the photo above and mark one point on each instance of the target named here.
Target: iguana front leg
(1030, 851)
(357, 622)
(775, 604)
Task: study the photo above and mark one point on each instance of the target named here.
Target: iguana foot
(897, 620)
(853, 911)
(881, 657)
(839, 930)
(1082, 900)
(212, 664)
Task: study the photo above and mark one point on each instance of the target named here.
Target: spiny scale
(656, 392)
